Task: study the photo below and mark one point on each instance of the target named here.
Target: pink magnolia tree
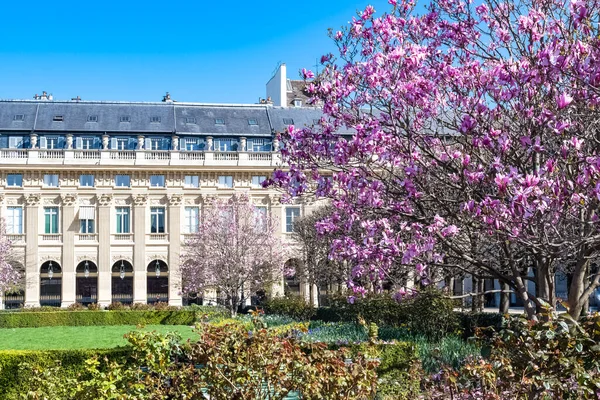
(235, 252)
(475, 147)
(9, 276)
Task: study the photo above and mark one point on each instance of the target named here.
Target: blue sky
(202, 51)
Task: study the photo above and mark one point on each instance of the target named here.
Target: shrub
(76, 307)
(292, 306)
(430, 314)
(381, 309)
(94, 307)
(472, 322)
(209, 312)
(557, 358)
(16, 369)
(117, 305)
(87, 318)
(399, 372)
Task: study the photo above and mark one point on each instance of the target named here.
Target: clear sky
(201, 51)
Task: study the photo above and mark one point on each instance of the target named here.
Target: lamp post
(50, 270)
(122, 271)
(157, 269)
(86, 269)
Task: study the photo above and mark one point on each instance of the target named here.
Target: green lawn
(77, 337)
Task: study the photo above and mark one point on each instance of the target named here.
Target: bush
(471, 323)
(76, 307)
(94, 307)
(87, 318)
(14, 373)
(292, 306)
(381, 309)
(399, 372)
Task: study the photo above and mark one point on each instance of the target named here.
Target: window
(122, 181)
(260, 218)
(155, 144)
(219, 121)
(58, 118)
(19, 117)
(226, 181)
(124, 118)
(190, 224)
(122, 143)
(190, 120)
(51, 220)
(52, 143)
(87, 143)
(252, 122)
(51, 180)
(191, 144)
(86, 180)
(14, 180)
(191, 181)
(157, 180)
(92, 118)
(291, 213)
(14, 220)
(259, 144)
(157, 220)
(155, 120)
(288, 121)
(225, 144)
(86, 226)
(87, 215)
(123, 220)
(15, 142)
(297, 103)
(257, 180)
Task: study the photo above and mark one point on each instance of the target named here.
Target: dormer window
(252, 122)
(155, 120)
(58, 118)
(190, 120)
(288, 121)
(219, 121)
(125, 118)
(297, 103)
(92, 118)
(19, 117)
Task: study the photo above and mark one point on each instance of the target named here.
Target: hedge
(14, 380)
(88, 318)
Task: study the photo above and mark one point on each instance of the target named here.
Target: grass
(78, 337)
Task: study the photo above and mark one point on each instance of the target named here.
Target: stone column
(32, 269)
(69, 228)
(174, 215)
(104, 260)
(276, 211)
(139, 251)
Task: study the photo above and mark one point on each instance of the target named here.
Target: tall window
(51, 142)
(87, 143)
(191, 220)
(86, 226)
(226, 181)
(86, 180)
(51, 180)
(291, 213)
(257, 180)
(14, 220)
(122, 181)
(14, 180)
(123, 220)
(258, 144)
(122, 143)
(225, 144)
(51, 219)
(191, 181)
(155, 144)
(157, 180)
(157, 220)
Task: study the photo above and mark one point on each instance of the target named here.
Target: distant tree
(9, 276)
(236, 251)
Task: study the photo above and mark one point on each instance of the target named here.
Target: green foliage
(340, 333)
(471, 323)
(399, 373)
(557, 358)
(292, 306)
(18, 368)
(209, 312)
(381, 309)
(233, 365)
(87, 318)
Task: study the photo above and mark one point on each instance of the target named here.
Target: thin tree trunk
(504, 298)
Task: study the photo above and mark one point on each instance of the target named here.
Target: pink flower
(307, 74)
(563, 100)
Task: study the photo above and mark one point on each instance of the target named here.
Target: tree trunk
(476, 303)
(504, 298)
(576, 290)
(545, 283)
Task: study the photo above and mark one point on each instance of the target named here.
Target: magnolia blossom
(235, 252)
(9, 276)
(473, 137)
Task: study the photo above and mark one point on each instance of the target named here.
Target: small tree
(9, 276)
(236, 251)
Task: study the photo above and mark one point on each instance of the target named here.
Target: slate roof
(164, 118)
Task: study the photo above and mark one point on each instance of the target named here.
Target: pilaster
(140, 282)
(174, 216)
(32, 269)
(69, 227)
(104, 261)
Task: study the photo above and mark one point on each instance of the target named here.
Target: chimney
(76, 98)
(167, 98)
(277, 86)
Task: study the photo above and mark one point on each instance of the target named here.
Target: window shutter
(78, 143)
(60, 143)
(43, 142)
(3, 142)
(131, 145)
(96, 142)
(113, 143)
(147, 144)
(166, 144)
